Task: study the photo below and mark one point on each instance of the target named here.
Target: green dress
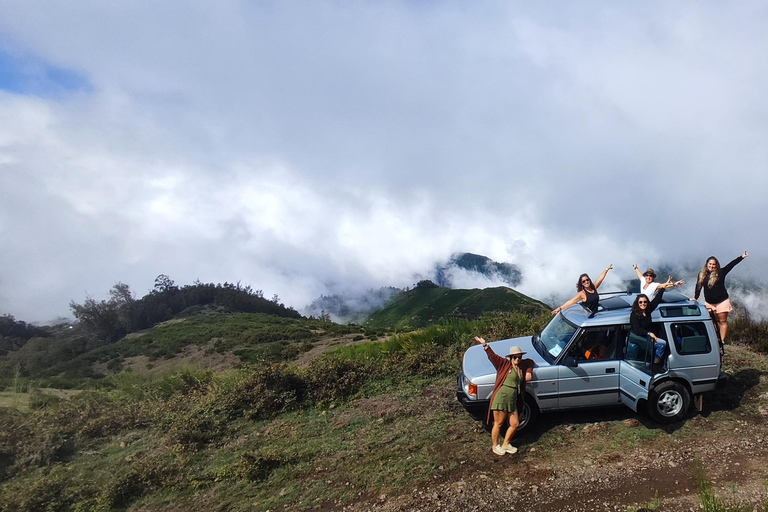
(506, 396)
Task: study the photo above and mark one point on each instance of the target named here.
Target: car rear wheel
(669, 402)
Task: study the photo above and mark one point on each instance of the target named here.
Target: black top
(717, 293)
(641, 325)
(592, 300)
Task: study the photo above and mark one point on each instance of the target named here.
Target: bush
(332, 378)
(40, 400)
(750, 332)
(256, 467)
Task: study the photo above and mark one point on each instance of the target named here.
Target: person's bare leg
(722, 324)
(514, 422)
(499, 417)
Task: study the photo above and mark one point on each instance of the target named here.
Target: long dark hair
(580, 286)
(636, 307)
(712, 275)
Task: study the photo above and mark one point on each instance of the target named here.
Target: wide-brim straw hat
(516, 351)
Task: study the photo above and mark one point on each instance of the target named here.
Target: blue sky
(308, 148)
(27, 75)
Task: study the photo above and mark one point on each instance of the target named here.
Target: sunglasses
(515, 357)
(642, 302)
(585, 280)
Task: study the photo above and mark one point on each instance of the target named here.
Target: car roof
(614, 308)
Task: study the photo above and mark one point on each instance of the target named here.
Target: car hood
(479, 369)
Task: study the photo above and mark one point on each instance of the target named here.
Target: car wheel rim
(669, 403)
(525, 415)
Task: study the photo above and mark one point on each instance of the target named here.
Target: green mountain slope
(208, 339)
(424, 305)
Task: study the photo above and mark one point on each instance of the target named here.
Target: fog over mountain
(316, 148)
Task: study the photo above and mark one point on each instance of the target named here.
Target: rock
(632, 422)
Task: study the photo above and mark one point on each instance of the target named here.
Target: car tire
(669, 402)
(529, 414)
(528, 417)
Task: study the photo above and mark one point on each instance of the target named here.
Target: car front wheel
(669, 402)
(529, 414)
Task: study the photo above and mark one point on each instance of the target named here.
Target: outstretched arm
(639, 274)
(669, 284)
(579, 297)
(729, 267)
(495, 359)
(602, 276)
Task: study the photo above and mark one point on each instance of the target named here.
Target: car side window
(595, 344)
(691, 338)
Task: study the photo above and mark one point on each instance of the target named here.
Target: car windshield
(556, 335)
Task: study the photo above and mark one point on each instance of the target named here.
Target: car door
(590, 382)
(635, 370)
(694, 356)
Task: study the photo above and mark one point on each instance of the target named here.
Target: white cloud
(307, 147)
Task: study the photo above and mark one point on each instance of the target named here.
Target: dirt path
(727, 444)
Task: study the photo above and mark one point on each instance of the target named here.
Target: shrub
(750, 332)
(333, 378)
(257, 467)
(146, 472)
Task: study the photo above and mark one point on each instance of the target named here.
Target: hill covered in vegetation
(428, 303)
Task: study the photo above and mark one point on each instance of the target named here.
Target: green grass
(398, 428)
(39, 397)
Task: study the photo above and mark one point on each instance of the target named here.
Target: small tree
(163, 283)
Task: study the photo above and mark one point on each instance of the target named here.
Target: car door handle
(610, 370)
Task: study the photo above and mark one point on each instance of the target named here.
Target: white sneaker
(498, 450)
(508, 448)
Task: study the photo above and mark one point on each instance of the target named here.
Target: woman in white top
(648, 286)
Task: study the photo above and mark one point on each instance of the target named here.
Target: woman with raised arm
(640, 323)
(648, 284)
(712, 281)
(512, 372)
(587, 292)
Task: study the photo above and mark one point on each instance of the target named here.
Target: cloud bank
(316, 147)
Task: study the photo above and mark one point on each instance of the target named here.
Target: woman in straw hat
(512, 372)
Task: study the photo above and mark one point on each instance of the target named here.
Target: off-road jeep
(585, 359)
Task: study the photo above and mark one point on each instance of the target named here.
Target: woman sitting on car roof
(648, 284)
(587, 292)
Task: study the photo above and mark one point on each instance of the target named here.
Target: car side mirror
(570, 361)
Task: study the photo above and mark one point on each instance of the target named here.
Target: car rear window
(691, 338)
(682, 310)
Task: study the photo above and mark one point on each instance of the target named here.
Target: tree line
(109, 320)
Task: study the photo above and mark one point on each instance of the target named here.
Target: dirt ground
(727, 443)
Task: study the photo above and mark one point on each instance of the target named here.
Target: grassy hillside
(363, 424)
(424, 305)
(208, 339)
(259, 437)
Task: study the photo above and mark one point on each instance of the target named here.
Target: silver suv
(585, 359)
